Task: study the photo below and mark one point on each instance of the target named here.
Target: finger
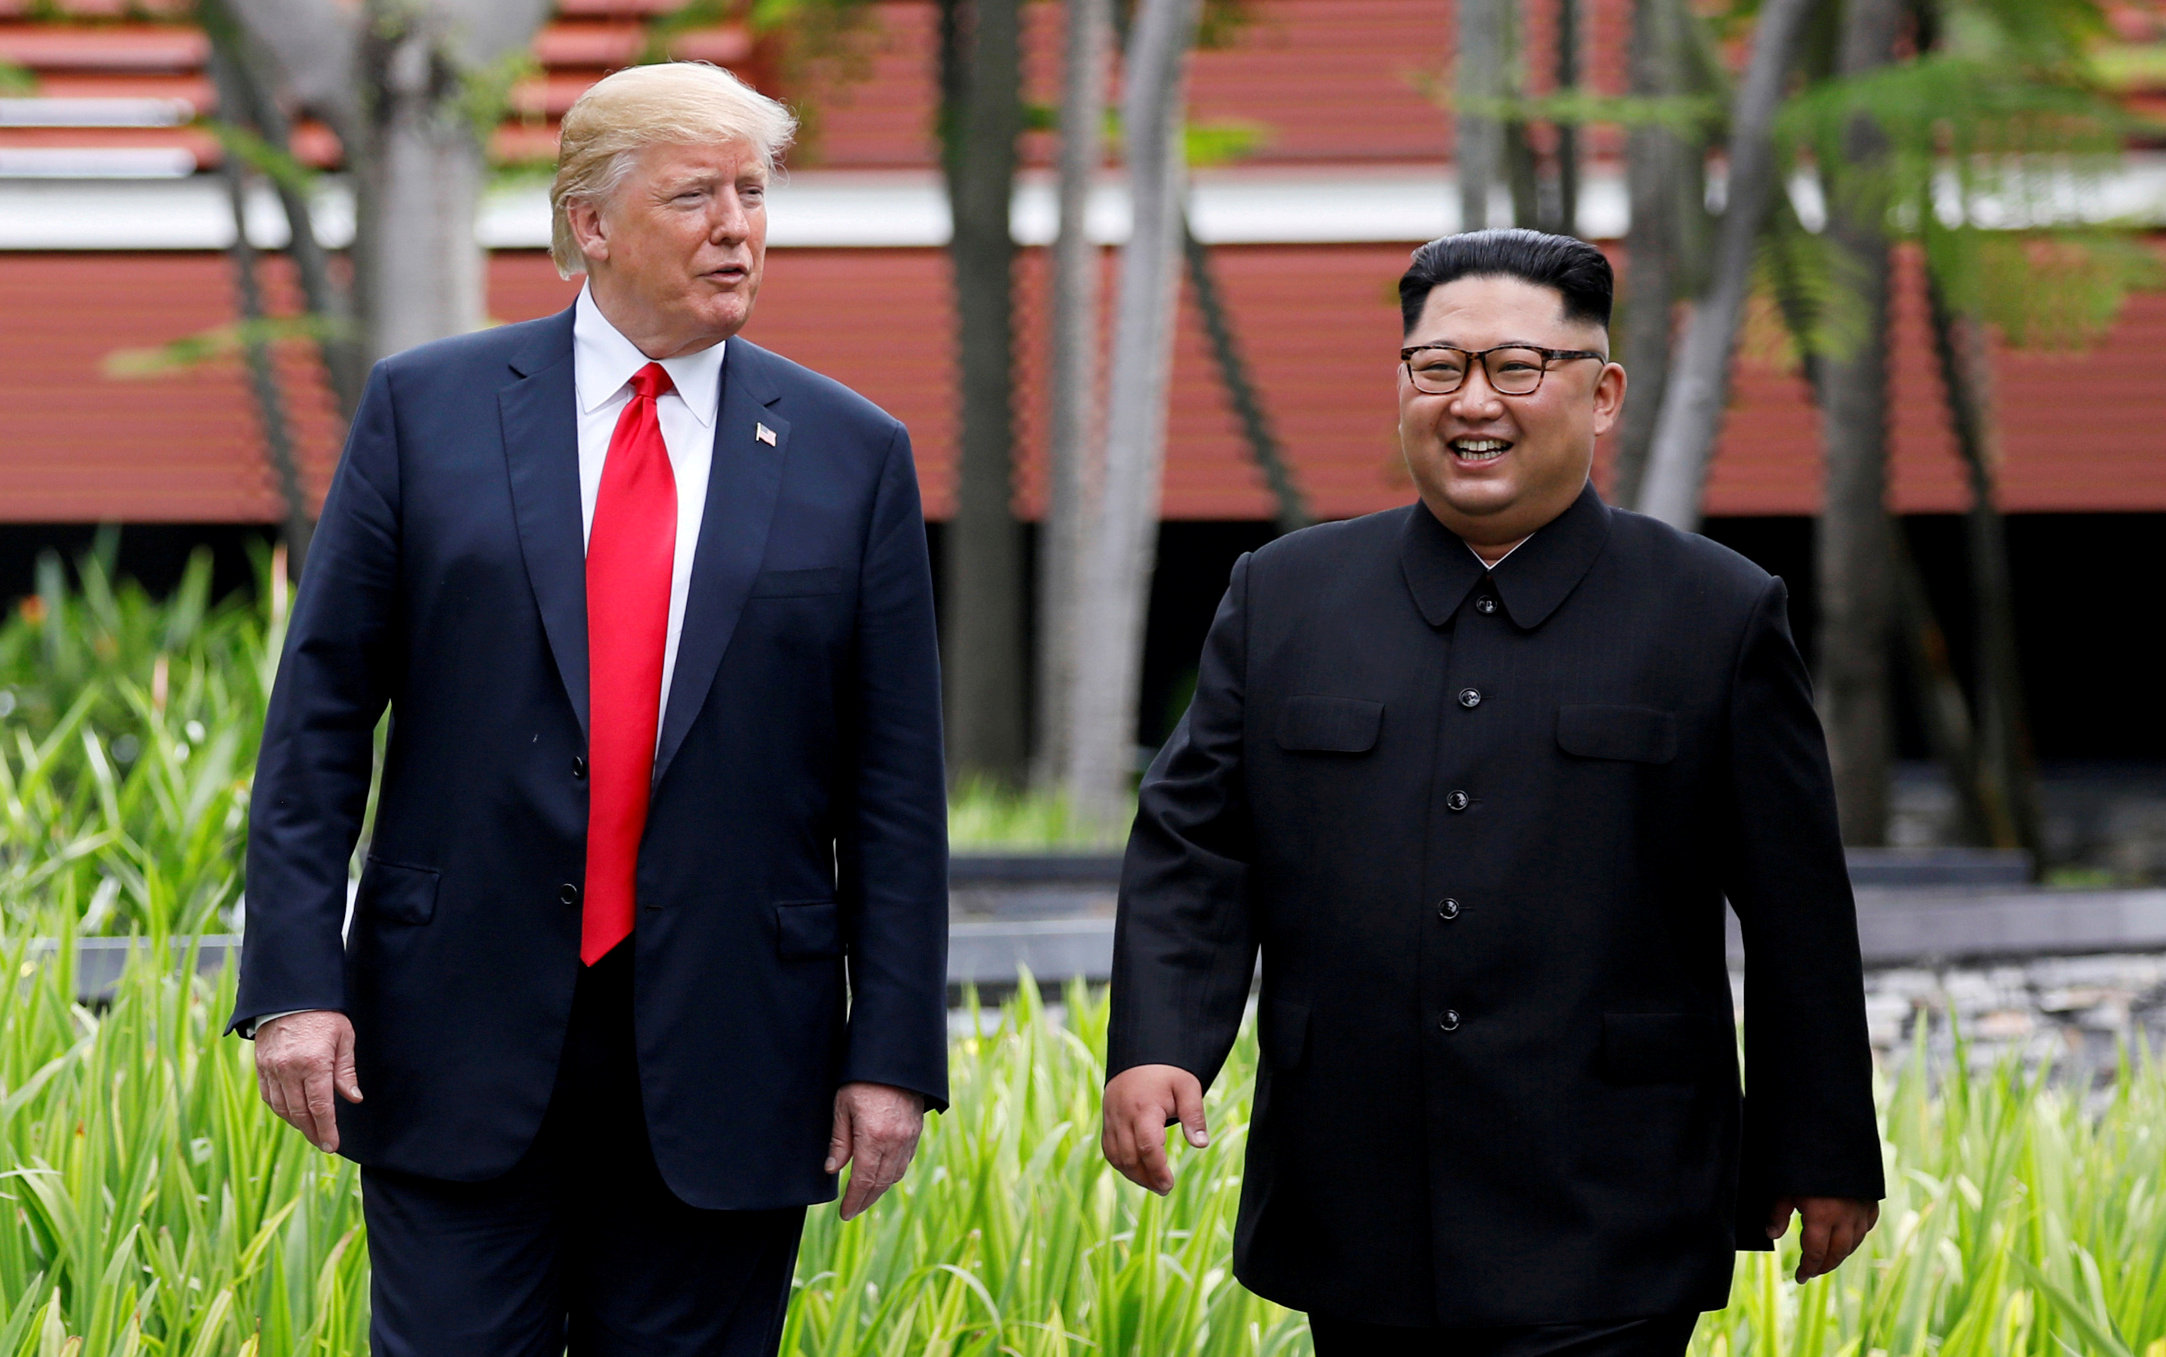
(1778, 1217)
(838, 1140)
(1153, 1171)
(1188, 1104)
(1113, 1139)
(1812, 1248)
(859, 1194)
(1845, 1242)
(274, 1093)
(318, 1092)
(342, 1074)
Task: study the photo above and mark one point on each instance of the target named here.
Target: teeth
(1480, 449)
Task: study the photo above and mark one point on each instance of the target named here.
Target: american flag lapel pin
(764, 434)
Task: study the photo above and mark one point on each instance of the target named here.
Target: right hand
(301, 1059)
(1140, 1104)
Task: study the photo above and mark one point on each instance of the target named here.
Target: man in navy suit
(650, 941)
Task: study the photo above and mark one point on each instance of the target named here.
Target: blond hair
(621, 115)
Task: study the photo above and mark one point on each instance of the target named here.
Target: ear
(1609, 395)
(585, 219)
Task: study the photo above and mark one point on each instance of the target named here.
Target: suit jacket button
(1485, 605)
(568, 893)
(579, 768)
(1470, 697)
(1450, 1021)
(1457, 801)
(1448, 910)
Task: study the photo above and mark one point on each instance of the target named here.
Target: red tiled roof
(75, 445)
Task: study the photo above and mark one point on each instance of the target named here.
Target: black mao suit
(1480, 826)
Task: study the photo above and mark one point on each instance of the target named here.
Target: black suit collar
(1441, 572)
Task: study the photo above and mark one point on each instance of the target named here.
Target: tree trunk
(1564, 218)
(1074, 381)
(418, 270)
(1292, 511)
(1119, 558)
(1484, 30)
(1699, 385)
(297, 523)
(1655, 162)
(1854, 552)
(987, 678)
(2010, 773)
(245, 98)
(392, 79)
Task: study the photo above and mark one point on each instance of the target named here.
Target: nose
(1476, 399)
(729, 221)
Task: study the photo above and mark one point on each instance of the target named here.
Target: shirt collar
(1440, 571)
(603, 360)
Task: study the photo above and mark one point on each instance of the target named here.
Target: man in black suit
(651, 937)
(1475, 777)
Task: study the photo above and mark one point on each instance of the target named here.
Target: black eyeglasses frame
(1549, 356)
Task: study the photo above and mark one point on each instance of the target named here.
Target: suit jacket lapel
(742, 486)
(541, 445)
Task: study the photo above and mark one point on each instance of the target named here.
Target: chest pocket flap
(1599, 731)
(1330, 725)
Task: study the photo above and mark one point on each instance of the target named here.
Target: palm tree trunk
(2010, 772)
(298, 522)
(1699, 385)
(1654, 164)
(1119, 559)
(1479, 152)
(1074, 382)
(1854, 553)
(1292, 511)
(987, 674)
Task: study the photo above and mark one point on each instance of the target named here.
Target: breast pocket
(1330, 725)
(1631, 734)
(801, 583)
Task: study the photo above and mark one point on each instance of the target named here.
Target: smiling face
(674, 255)
(1494, 468)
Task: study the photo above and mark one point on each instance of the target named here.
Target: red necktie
(631, 552)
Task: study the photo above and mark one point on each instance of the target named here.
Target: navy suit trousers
(582, 1246)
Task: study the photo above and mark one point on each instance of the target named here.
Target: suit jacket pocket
(1659, 1048)
(1636, 734)
(1284, 1032)
(808, 930)
(397, 892)
(800, 583)
(1330, 725)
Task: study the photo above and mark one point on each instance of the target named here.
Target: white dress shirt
(603, 362)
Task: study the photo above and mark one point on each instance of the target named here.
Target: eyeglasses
(1513, 369)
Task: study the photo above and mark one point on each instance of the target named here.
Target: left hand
(877, 1126)
(1831, 1227)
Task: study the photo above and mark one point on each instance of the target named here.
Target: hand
(878, 1127)
(1831, 1228)
(1140, 1104)
(300, 1059)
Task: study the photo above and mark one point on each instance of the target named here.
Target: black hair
(1576, 270)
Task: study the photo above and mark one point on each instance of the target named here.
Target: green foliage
(127, 731)
(219, 343)
(17, 80)
(1997, 141)
(151, 1204)
(983, 817)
